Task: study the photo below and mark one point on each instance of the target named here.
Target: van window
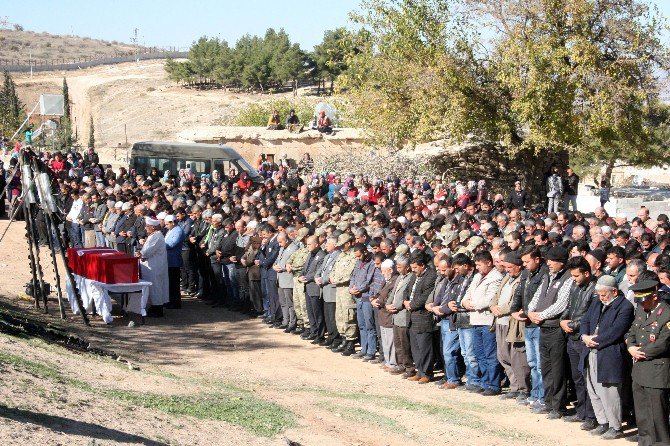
(143, 164)
(223, 166)
(197, 167)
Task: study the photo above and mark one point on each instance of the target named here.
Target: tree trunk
(332, 85)
(608, 172)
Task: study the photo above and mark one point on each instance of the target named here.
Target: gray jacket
(327, 288)
(284, 278)
(397, 297)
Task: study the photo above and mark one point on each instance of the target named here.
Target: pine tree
(91, 133)
(66, 100)
(65, 134)
(10, 105)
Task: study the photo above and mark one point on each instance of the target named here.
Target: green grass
(452, 415)
(359, 415)
(237, 407)
(253, 414)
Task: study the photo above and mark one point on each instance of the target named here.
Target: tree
(11, 108)
(254, 62)
(91, 132)
(65, 130)
(331, 53)
(576, 77)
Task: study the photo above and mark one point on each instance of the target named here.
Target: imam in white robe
(154, 268)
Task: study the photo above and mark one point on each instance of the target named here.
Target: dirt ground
(211, 377)
(134, 100)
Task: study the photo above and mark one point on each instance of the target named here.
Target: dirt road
(211, 377)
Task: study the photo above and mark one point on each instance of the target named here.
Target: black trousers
(421, 345)
(583, 407)
(205, 273)
(273, 298)
(651, 413)
(553, 359)
(218, 289)
(329, 317)
(175, 292)
(317, 325)
(188, 271)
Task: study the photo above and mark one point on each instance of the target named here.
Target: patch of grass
(237, 407)
(43, 370)
(255, 415)
(452, 415)
(359, 415)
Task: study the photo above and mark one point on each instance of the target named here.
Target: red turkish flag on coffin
(112, 267)
(77, 258)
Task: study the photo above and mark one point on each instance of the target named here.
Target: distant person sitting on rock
(324, 123)
(274, 123)
(293, 122)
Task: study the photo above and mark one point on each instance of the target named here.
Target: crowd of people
(567, 310)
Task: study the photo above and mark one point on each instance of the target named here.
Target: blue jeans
(77, 235)
(451, 352)
(230, 280)
(467, 342)
(532, 335)
(100, 240)
(366, 325)
(487, 357)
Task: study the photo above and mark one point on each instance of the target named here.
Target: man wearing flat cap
(648, 342)
(545, 309)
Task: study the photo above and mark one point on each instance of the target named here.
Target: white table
(96, 295)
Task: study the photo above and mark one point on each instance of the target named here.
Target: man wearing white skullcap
(154, 267)
(385, 318)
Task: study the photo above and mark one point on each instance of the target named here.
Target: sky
(171, 23)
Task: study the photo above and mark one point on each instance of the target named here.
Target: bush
(256, 115)
(48, 44)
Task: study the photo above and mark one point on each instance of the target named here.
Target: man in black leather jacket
(531, 278)
(581, 295)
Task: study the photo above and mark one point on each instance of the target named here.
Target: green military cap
(401, 250)
(302, 233)
(312, 217)
(343, 238)
(343, 226)
(644, 290)
(424, 227)
(319, 232)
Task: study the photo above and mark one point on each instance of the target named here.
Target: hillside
(135, 99)
(41, 47)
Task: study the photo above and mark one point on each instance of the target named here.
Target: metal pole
(59, 292)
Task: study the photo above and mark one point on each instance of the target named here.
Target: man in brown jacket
(511, 349)
(380, 301)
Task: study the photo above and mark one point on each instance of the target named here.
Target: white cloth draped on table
(96, 295)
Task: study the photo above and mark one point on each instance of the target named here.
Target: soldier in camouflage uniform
(296, 263)
(345, 306)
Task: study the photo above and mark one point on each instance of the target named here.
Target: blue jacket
(267, 256)
(613, 324)
(173, 242)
